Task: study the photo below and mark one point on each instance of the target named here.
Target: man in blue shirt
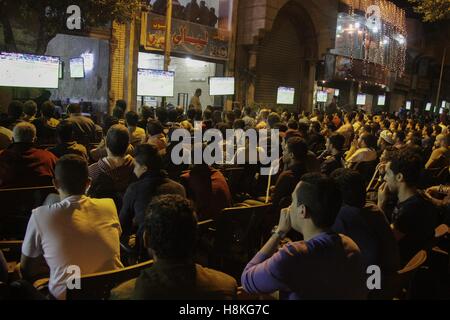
(325, 265)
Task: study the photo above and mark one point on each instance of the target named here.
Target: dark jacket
(286, 183)
(138, 196)
(70, 148)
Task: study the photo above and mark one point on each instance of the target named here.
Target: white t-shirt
(76, 231)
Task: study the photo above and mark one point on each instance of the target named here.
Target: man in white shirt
(78, 231)
(362, 151)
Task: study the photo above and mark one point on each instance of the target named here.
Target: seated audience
(29, 111)
(362, 150)
(23, 165)
(171, 237)
(440, 157)
(325, 265)
(46, 124)
(77, 231)
(156, 135)
(66, 143)
(15, 114)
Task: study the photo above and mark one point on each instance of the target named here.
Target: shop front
(200, 49)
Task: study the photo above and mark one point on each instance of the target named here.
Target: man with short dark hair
(66, 143)
(333, 155)
(85, 131)
(171, 236)
(46, 124)
(414, 222)
(23, 165)
(15, 113)
(294, 158)
(77, 231)
(137, 134)
(112, 174)
(152, 181)
(325, 265)
(29, 110)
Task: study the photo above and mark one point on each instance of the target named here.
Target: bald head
(24, 132)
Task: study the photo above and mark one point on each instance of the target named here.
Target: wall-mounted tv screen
(322, 96)
(336, 92)
(381, 100)
(77, 68)
(285, 95)
(28, 71)
(428, 106)
(221, 86)
(155, 83)
(408, 105)
(361, 99)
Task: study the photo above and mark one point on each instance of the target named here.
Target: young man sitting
(77, 231)
(170, 237)
(325, 265)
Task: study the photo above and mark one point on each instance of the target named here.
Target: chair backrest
(12, 250)
(240, 229)
(17, 204)
(98, 286)
(406, 275)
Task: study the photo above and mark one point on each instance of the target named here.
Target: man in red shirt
(23, 165)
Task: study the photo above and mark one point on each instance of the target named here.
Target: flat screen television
(285, 95)
(28, 71)
(221, 86)
(322, 96)
(428, 106)
(336, 92)
(361, 99)
(155, 83)
(381, 100)
(77, 68)
(408, 105)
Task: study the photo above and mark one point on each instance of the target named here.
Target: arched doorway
(287, 56)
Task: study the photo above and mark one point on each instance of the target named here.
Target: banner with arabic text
(187, 37)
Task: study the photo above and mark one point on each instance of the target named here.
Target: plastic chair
(406, 275)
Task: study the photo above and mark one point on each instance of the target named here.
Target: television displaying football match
(77, 68)
(285, 95)
(381, 100)
(221, 86)
(361, 99)
(155, 83)
(322, 96)
(28, 71)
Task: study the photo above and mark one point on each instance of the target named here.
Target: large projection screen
(28, 71)
(221, 86)
(155, 83)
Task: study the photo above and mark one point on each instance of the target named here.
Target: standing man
(195, 100)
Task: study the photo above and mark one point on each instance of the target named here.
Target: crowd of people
(354, 190)
(192, 12)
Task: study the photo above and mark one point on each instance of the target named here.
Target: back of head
(172, 115)
(132, 118)
(24, 132)
(248, 111)
(161, 114)
(30, 108)
(237, 113)
(171, 227)
(352, 187)
(298, 147)
(64, 131)
(146, 112)
(149, 156)
(48, 109)
(74, 108)
(108, 122)
(15, 109)
(122, 104)
(369, 140)
(321, 197)
(337, 141)
(292, 124)
(230, 116)
(273, 118)
(72, 174)
(207, 114)
(154, 127)
(117, 140)
(239, 124)
(118, 113)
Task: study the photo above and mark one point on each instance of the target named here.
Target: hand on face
(284, 225)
